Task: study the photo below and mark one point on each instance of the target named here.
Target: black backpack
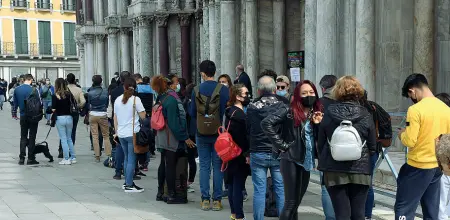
(33, 107)
(271, 204)
(383, 124)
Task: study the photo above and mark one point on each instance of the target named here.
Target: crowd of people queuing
(285, 129)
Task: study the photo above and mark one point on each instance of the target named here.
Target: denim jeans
(119, 159)
(64, 124)
(327, 205)
(207, 156)
(47, 103)
(2, 100)
(370, 195)
(259, 164)
(129, 161)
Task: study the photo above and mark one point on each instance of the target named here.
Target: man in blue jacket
(28, 129)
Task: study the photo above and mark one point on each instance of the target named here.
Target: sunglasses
(281, 87)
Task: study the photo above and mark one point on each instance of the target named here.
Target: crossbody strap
(134, 112)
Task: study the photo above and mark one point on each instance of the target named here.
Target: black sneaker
(21, 161)
(140, 174)
(117, 177)
(32, 162)
(133, 189)
(136, 177)
(60, 154)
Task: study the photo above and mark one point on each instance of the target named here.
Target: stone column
(101, 15)
(189, 5)
(228, 39)
(326, 38)
(146, 46)
(113, 54)
(112, 7)
(89, 12)
(279, 50)
(212, 31)
(252, 53)
(82, 63)
(89, 68)
(161, 5)
(125, 48)
(218, 19)
(163, 44)
(365, 45)
(136, 51)
(205, 43)
(78, 11)
(101, 57)
(121, 7)
(310, 39)
(185, 20)
(424, 39)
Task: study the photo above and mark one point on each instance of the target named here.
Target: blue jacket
(51, 92)
(21, 94)
(4, 87)
(98, 99)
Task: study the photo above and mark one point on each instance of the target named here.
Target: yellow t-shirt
(427, 119)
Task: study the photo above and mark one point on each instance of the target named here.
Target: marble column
(89, 12)
(78, 11)
(185, 20)
(81, 57)
(89, 68)
(122, 7)
(212, 31)
(228, 39)
(310, 39)
(325, 38)
(113, 52)
(136, 51)
(424, 39)
(279, 50)
(101, 15)
(163, 44)
(346, 35)
(218, 19)
(205, 43)
(251, 47)
(365, 45)
(125, 48)
(146, 67)
(112, 7)
(161, 5)
(101, 57)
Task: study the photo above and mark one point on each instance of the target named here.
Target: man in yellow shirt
(419, 178)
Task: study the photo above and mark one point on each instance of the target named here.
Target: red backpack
(158, 123)
(225, 147)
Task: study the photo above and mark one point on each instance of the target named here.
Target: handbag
(140, 139)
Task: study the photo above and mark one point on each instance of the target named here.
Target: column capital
(176, 4)
(113, 31)
(162, 20)
(125, 30)
(80, 44)
(89, 38)
(145, 21)
(184, 19)
(100, 37)
(135, 23)
(199, 15)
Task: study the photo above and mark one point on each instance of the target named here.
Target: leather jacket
(285, 136)
(362, 121)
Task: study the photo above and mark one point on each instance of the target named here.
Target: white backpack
(346, 144)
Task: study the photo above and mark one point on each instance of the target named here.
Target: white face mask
(225, 84)
(178, 88)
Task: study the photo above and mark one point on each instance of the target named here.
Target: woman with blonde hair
(62, 101)
(347, 181)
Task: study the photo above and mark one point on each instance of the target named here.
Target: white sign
(295, 74)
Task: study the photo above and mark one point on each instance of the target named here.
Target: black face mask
(414, 100)
(246, 101)
(308, 101)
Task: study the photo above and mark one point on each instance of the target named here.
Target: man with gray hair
(243, 78)
(261, 154)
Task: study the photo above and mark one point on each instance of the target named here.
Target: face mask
(308, 101)
(246, 101)
(178, 88)
(281, 92)
(414, 100)
(225, 84)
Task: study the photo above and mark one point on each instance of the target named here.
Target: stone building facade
(379, 41)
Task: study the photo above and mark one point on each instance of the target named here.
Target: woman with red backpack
(237, 169)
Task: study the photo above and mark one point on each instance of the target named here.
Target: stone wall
(442, 46)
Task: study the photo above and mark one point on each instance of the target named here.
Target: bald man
(243, 78)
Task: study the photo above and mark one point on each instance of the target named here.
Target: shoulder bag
(140, 139)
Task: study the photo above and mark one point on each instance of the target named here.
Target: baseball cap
(284, 79)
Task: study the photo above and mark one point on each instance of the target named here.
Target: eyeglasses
(281, 87)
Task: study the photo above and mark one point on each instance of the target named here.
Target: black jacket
(238, 130)
(256, 112)
(245, 80)
(362, 122)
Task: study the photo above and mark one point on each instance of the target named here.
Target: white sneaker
(73, 160)
(65, 162)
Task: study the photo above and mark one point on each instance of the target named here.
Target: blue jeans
(64, 124)
(47, 103)
(370, 195)
(129, 161)
(327, 205)
(259, 164)
(2, 100)
(118, 163)
(207, 156)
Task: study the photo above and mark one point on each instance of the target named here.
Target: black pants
(416, 185)
(75, 119)
(192, 154)
(235, 197)
(349, 201)
(140, 159)
(167, 171)
(28, 131)
(296, 180)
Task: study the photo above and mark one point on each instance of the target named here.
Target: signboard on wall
(296, 59)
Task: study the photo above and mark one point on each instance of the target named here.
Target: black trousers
(235, 196)
(296, 180)
(75, 119)
(167, 171)
(28, 131)
(192, 154)
(349, 201)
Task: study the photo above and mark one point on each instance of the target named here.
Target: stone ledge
(385, 179)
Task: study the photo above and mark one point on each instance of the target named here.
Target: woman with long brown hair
(296, 142)
(126, 108)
